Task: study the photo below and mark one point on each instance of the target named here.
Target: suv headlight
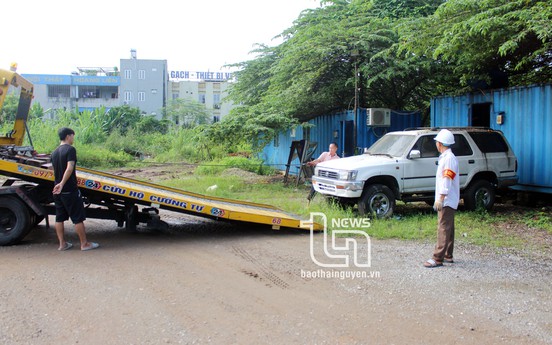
(348, 175)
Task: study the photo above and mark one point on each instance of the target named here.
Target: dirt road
(210, 283)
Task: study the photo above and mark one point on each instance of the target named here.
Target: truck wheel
(480, 194)
(15, 220)
(377, 199)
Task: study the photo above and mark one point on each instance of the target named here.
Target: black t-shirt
(61, 155)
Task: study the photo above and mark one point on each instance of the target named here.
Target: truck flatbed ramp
(118, 196)
(187, 202)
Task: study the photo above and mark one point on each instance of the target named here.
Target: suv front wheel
(479, 194)
(377, 199)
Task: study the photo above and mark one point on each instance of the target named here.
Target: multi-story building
(89, 89)
(144, 84)
(210, 92)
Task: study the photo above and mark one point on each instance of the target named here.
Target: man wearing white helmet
(447, 197)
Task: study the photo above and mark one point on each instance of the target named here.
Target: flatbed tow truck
(26, 195)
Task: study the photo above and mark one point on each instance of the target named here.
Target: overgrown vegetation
(123, 136)
(125, 144)
(413, 221)
(400, 52)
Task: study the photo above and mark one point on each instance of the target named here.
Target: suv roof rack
(451, 127)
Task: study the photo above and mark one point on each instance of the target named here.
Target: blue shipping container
(523, 114)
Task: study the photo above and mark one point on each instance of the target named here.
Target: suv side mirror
(414, 154)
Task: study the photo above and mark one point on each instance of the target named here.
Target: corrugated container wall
(523, 114)
(339, 128)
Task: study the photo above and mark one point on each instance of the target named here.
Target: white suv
(402, 166)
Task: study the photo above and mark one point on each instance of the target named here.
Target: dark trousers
(445, 234)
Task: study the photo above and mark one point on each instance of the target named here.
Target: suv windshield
(394, 145)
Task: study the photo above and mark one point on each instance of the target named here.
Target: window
(89, 92)
(202, 98)
(489, 141)
(461, 146)
(141, 96)
(427, 147)
(154, 91)
(141, 74)
(393, 144)
(175, 95)
(61, 91)
(216, 119)
(128, 96)
(128, 74)
(216, 101)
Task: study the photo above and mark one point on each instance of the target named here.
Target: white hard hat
(445, 137)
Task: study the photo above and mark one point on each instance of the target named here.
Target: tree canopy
(186, 112)
(399, 53)
(488, 43)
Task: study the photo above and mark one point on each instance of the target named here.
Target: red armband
(449, 173)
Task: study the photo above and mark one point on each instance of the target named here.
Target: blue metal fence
(339, 128)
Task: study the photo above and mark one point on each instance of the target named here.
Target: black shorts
(69, 205)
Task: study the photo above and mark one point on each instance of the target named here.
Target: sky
(58, 36)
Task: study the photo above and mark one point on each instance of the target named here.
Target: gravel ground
(207, 282)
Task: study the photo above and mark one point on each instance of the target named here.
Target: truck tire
(15, 220)
(377, 200)
(480, 193)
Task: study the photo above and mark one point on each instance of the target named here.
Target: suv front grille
(328, 174)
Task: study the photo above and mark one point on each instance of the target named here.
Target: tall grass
(101, 145)
(412, 221)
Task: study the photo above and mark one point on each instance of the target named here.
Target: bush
(92, 156)
(248, 164)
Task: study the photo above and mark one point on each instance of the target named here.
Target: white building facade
(211, 93)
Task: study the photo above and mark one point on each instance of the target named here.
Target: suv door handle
(471, 161)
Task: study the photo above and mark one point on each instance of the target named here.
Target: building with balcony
(139, 83)
(76, 91)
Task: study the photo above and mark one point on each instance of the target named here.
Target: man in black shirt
(67, 197)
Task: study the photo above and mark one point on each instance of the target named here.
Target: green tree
(487, 43)
(187, 112)
(120, 118)
(149, 124)
(9, 109)
(328, 51)
(36, 111)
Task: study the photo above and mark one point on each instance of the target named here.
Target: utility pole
(354, 55)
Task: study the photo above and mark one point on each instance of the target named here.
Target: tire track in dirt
(265, 271)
